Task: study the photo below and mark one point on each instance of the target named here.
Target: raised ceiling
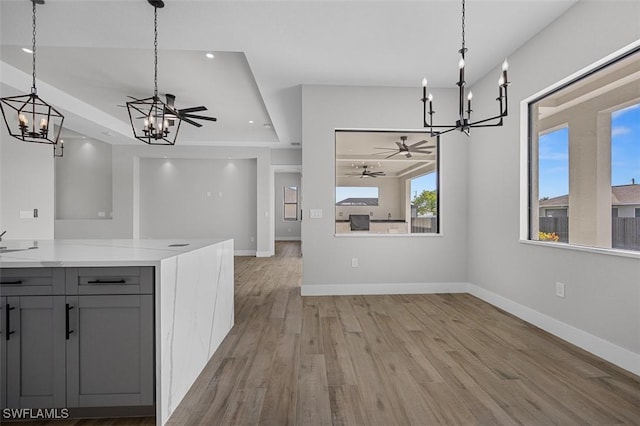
(92, 54)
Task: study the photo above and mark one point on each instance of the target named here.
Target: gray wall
(391, 260)
(83, 180)
(285, 230)
(192, 198)
(602, 291)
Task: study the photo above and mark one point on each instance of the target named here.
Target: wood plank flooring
(447, 359)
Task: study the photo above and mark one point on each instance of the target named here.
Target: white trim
(264, 254)
(288, 238)
(608, 351)
(381, 289)
(597, 250)
(244, 253)
(283, 168)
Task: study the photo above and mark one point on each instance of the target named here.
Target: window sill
(597, 250)
(364, 234)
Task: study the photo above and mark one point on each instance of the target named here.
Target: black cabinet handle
(66, 321)
(11, 282)
(107, 282)
(8, 309)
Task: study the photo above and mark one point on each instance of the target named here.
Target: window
(584, 159)
(290, 203)
(386, 182)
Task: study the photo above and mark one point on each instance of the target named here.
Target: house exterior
(625, 202)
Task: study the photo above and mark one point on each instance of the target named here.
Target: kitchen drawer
(111, 280)
(32, 281)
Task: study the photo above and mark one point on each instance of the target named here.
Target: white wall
(389, 262)
(126, 191)
(602, 291)
(194, 198)
(285, 230)
(26, 183)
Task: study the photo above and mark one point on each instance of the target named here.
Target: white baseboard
(288, 239)
(381, 289)
(244, 253)
(608, 351)
(263, 254)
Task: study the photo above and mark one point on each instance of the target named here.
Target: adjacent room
(313, 212)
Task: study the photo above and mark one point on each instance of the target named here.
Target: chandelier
(150, 117)
(28, 117)
(464, 122)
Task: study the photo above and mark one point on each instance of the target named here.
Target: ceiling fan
(416, 148)
(367, 173)
(185, 114)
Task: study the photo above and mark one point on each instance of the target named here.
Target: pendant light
(465, 123)
(28, 117)
(151, 120)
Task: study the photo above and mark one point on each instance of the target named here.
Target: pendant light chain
(33, 49)
(155, 53)
(463, 28)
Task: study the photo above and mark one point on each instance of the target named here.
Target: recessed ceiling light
(27, 50)
(250, 121)
(209, 55)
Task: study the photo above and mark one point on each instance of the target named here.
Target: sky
(625, 154)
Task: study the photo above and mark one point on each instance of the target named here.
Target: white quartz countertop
(70, 253)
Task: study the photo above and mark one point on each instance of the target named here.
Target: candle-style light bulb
(505, 65)
(22, 119)
(424, 82)
(470, 96)
(424, 88)
(461, 63)
(501, 81)
(430, 97)
(43, 123)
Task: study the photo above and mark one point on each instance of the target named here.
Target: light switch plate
(315, 213)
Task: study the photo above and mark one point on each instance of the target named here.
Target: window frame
(526, 158)
(285, 204)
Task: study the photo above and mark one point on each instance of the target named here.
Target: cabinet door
(110, 359)
(3, 354)
(35, 351)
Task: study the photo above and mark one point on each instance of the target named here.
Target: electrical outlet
(560, 289)
(354, 262)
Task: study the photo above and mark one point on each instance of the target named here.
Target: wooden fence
(424, 225)
(625, 231)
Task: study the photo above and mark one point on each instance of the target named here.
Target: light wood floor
(392, 360)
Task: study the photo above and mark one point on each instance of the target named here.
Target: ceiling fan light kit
(464, 123)
(28, 117)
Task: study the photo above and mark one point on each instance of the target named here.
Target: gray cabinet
(35, 351)
(76, 337)
(110, 351)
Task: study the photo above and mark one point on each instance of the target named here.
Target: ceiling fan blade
(422, 142)
(395, 153)
(193, 123)
(199, 117)
(192, 109)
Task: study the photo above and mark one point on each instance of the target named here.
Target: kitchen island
(177, 294)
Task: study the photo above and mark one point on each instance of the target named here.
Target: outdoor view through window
(585, 160)
(386, 183)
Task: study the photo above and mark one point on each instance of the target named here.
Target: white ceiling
(95, 53)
